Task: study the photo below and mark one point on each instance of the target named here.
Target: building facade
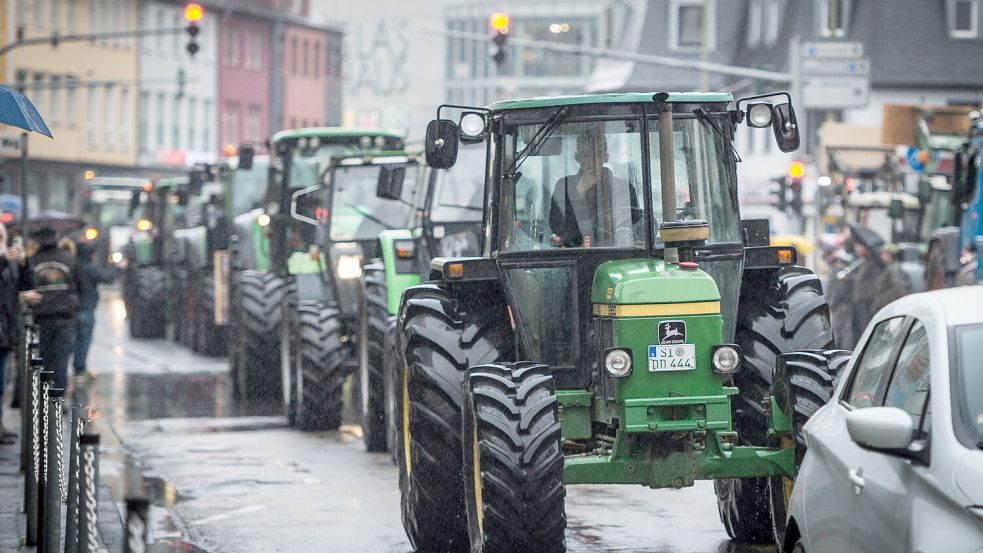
(244, 74)
(87, 92)
(304, 70)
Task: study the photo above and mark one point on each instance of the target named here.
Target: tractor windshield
(583, 186)
(248, 187)
(356, 212)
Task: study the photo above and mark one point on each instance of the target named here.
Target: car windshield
(582, 186)
(458, 190)
(248, 187)
(113, 214)
(356, 212)
(968, 391)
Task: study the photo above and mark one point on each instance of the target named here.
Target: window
(107, 116)
(38, 8)
(206, 124)
(686, 25)
(90, 117)
(124, 118)
(161, 117)
(176, 124)
(71, 101)
(317, 60)
(93, 10)
(55, 15)
(832, 17)
(773, 21)
(254, 51)
(192, 117)
(967, 385)
(963, 18)
(54, 100)
(230, 123)
(160, 25)
(293, 56)
(872, 366)
(754, 17)
(307, 58)
(72, 9)
(231, 55)
(144, 131)
(254, 123)
(909, 388)
(38, 90)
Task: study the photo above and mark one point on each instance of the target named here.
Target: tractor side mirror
(182, 197)
(305, 209)
(441, 143)
(786, 127)
(390, 186)
(896, 209)
(134, 203)
(246, 153)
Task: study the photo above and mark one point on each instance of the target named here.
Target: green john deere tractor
(147, 280)
(622, 325)
(268, 246)
(445, 221)
(217, 194)
(362, 195)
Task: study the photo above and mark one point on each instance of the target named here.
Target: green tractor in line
(217, 193)
(269, 256)
(622, 325)
(445, 221)
(106, 211)
(148, 281)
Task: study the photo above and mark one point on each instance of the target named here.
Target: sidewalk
(12, 521)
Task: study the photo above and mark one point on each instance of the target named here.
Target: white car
(895, 460)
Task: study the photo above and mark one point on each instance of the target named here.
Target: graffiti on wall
(378, 53)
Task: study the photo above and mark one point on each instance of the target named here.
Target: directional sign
(835, 66)
(833, 49)
(835, 92)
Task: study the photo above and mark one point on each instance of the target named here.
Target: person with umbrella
(55, 272)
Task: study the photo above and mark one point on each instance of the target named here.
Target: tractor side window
(459, 191)
(579, 186)
(908, 389)
(356, 212)
(704, 187)
(872, 367)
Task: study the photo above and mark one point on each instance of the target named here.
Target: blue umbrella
(17, 111)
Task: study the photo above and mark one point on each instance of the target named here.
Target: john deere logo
(672, 332)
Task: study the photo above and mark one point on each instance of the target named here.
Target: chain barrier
(46, 388)
(36, 420)
(88, 502)
(60, 449)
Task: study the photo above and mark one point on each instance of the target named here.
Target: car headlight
(617, 361)
(349, 266)
(726, 358)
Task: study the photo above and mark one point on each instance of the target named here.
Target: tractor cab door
(452, 212)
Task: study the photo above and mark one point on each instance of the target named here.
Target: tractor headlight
(117, 257)
(617, 361)
(349, 266)
(726, 358)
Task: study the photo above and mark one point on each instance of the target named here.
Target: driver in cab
(593, 207)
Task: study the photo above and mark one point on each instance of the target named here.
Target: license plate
(681, 357)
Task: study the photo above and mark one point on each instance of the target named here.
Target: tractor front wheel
(513, 462)
(440, 336)
(148, 297)
(803, 382)
(257, 335)
(784, 313)
(373, 320)
(209, 337)
(322, 372)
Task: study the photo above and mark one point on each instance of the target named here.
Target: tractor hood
(650, 281)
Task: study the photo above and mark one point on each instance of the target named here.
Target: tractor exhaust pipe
(667, 165)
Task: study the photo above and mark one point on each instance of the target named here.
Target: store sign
(10, 144)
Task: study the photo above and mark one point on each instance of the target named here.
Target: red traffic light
(500, 22)
(796, 170)
(193, 12)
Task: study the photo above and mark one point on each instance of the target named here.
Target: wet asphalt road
(230, 478)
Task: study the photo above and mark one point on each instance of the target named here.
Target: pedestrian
(56, 279)
(90, 275)
(14, 278)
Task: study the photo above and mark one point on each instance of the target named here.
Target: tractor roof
(332, 132)
(375, 157)
(620, 98)
(170, 182)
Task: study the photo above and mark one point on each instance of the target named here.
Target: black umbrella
(868, 238)
(61, 222)
(17, 111)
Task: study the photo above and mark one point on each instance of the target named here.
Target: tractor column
(667, 168)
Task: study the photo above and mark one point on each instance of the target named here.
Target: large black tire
(257, 335)
(390, 371)
(513, 469)
(209, 337)
(148, 299)
(804, 381)
(780, 315)
(373, 321)
(322, 372)
(440, 336)
(182, 313)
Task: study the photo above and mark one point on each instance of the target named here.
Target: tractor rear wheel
(513, 462)
(788, 313)
(373, 320)
(209, 337)
(183, 311)
(441, 336)
(257, 336)
(804, 382)
(322, 371)
(148, 297)
(390, 372)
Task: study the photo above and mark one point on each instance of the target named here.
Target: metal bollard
(47, 383)
(137, 509)
(88, 541)
(79, 421)
(54, 483)
(33, 414)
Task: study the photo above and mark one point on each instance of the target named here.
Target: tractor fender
(191, 247)
(244, 229)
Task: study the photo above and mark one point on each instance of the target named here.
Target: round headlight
(315, 142)
(263, 220)
(302, 143)
(472, 124)
(726, 359)
(618, 362)
(365, 142)
(759, 115)
(380, 142)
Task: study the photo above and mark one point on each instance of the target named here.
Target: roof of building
(625, 98)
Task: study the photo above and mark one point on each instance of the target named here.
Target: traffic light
(500, 27)
(193, 12)
(796, 171)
